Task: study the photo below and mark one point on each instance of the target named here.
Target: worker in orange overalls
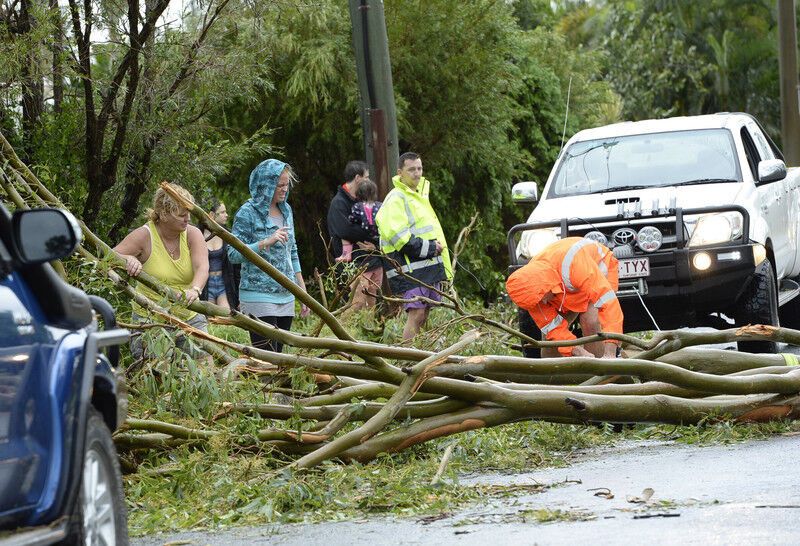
(574, 278)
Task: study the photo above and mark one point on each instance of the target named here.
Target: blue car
(60, 479)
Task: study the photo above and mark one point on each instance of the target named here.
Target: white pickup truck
(701, 212)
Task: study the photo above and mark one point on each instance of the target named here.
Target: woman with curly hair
(171, 250)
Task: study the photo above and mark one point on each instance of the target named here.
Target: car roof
(684, 123)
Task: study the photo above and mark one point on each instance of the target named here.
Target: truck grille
(626, 235)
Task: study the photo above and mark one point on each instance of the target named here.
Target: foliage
(217, 486)
(717, 431)
(531, 14)
(312, 110)
(161, 125)
(248, 488)
(481, 90)
(657, 73)
(504, 118)
(274, 77)
(679, 58)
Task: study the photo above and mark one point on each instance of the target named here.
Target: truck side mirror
(43, 235)
(771, 170)
(524, 193)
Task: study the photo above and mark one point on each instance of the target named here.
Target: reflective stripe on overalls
(608, 296)
(552, 325)
(566, 265)
(602, 265)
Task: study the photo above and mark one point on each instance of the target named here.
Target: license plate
(635, 267)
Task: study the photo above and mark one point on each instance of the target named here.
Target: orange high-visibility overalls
(582, 272)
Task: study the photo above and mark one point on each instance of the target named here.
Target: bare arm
(135, 250)
(199, 254)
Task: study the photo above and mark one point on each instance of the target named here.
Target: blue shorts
(216, 287)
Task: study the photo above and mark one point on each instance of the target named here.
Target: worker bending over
(574, 278)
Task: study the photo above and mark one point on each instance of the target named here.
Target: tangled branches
(369, 398)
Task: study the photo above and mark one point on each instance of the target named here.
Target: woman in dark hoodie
(266, 225)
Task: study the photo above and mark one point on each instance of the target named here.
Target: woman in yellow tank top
(172, 251)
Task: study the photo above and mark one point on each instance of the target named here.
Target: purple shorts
(419, 291)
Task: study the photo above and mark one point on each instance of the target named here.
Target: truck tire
(529, 328)
(759, 305)
(100, 516)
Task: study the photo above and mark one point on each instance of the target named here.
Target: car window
(646, 161)
(750, 152)
(764, 151)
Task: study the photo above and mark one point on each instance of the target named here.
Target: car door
(772, 198)
(788, 201)
(26, 346)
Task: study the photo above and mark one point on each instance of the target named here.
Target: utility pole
(378, 116)
(790, 92)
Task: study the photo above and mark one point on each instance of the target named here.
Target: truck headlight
(533, 242)
(716, 228)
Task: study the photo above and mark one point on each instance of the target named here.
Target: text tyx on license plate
(635, 267)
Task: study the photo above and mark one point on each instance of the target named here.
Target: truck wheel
(759, 305)
(529, 328)
(100, 516)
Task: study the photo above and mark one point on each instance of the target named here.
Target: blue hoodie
(251, 225)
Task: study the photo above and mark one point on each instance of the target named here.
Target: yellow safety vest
(406, 212)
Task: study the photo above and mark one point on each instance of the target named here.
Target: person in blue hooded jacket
(265, 224)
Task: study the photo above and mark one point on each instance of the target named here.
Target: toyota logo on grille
(624, 236)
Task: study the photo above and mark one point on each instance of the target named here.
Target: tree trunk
(32, 86)
(57, 47)
(101, 165)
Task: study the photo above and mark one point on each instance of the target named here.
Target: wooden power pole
(790, 93)
(378, 117)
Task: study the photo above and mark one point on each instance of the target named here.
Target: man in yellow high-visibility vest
(413, 240)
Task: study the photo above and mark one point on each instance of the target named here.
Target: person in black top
(365, 254)
(223, 276)
(363, 214)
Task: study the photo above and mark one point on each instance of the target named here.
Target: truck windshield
(646, 161)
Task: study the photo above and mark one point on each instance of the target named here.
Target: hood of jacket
(263, 181)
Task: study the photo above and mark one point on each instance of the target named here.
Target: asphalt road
(736, 494)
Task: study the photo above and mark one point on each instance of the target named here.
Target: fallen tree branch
(433, 394)
(416, 376)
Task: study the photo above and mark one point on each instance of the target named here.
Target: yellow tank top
(177, 274)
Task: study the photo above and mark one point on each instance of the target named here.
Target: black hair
(213, 204)
(408, 156)
(209, 205)
(367, 190)
(354, 168)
